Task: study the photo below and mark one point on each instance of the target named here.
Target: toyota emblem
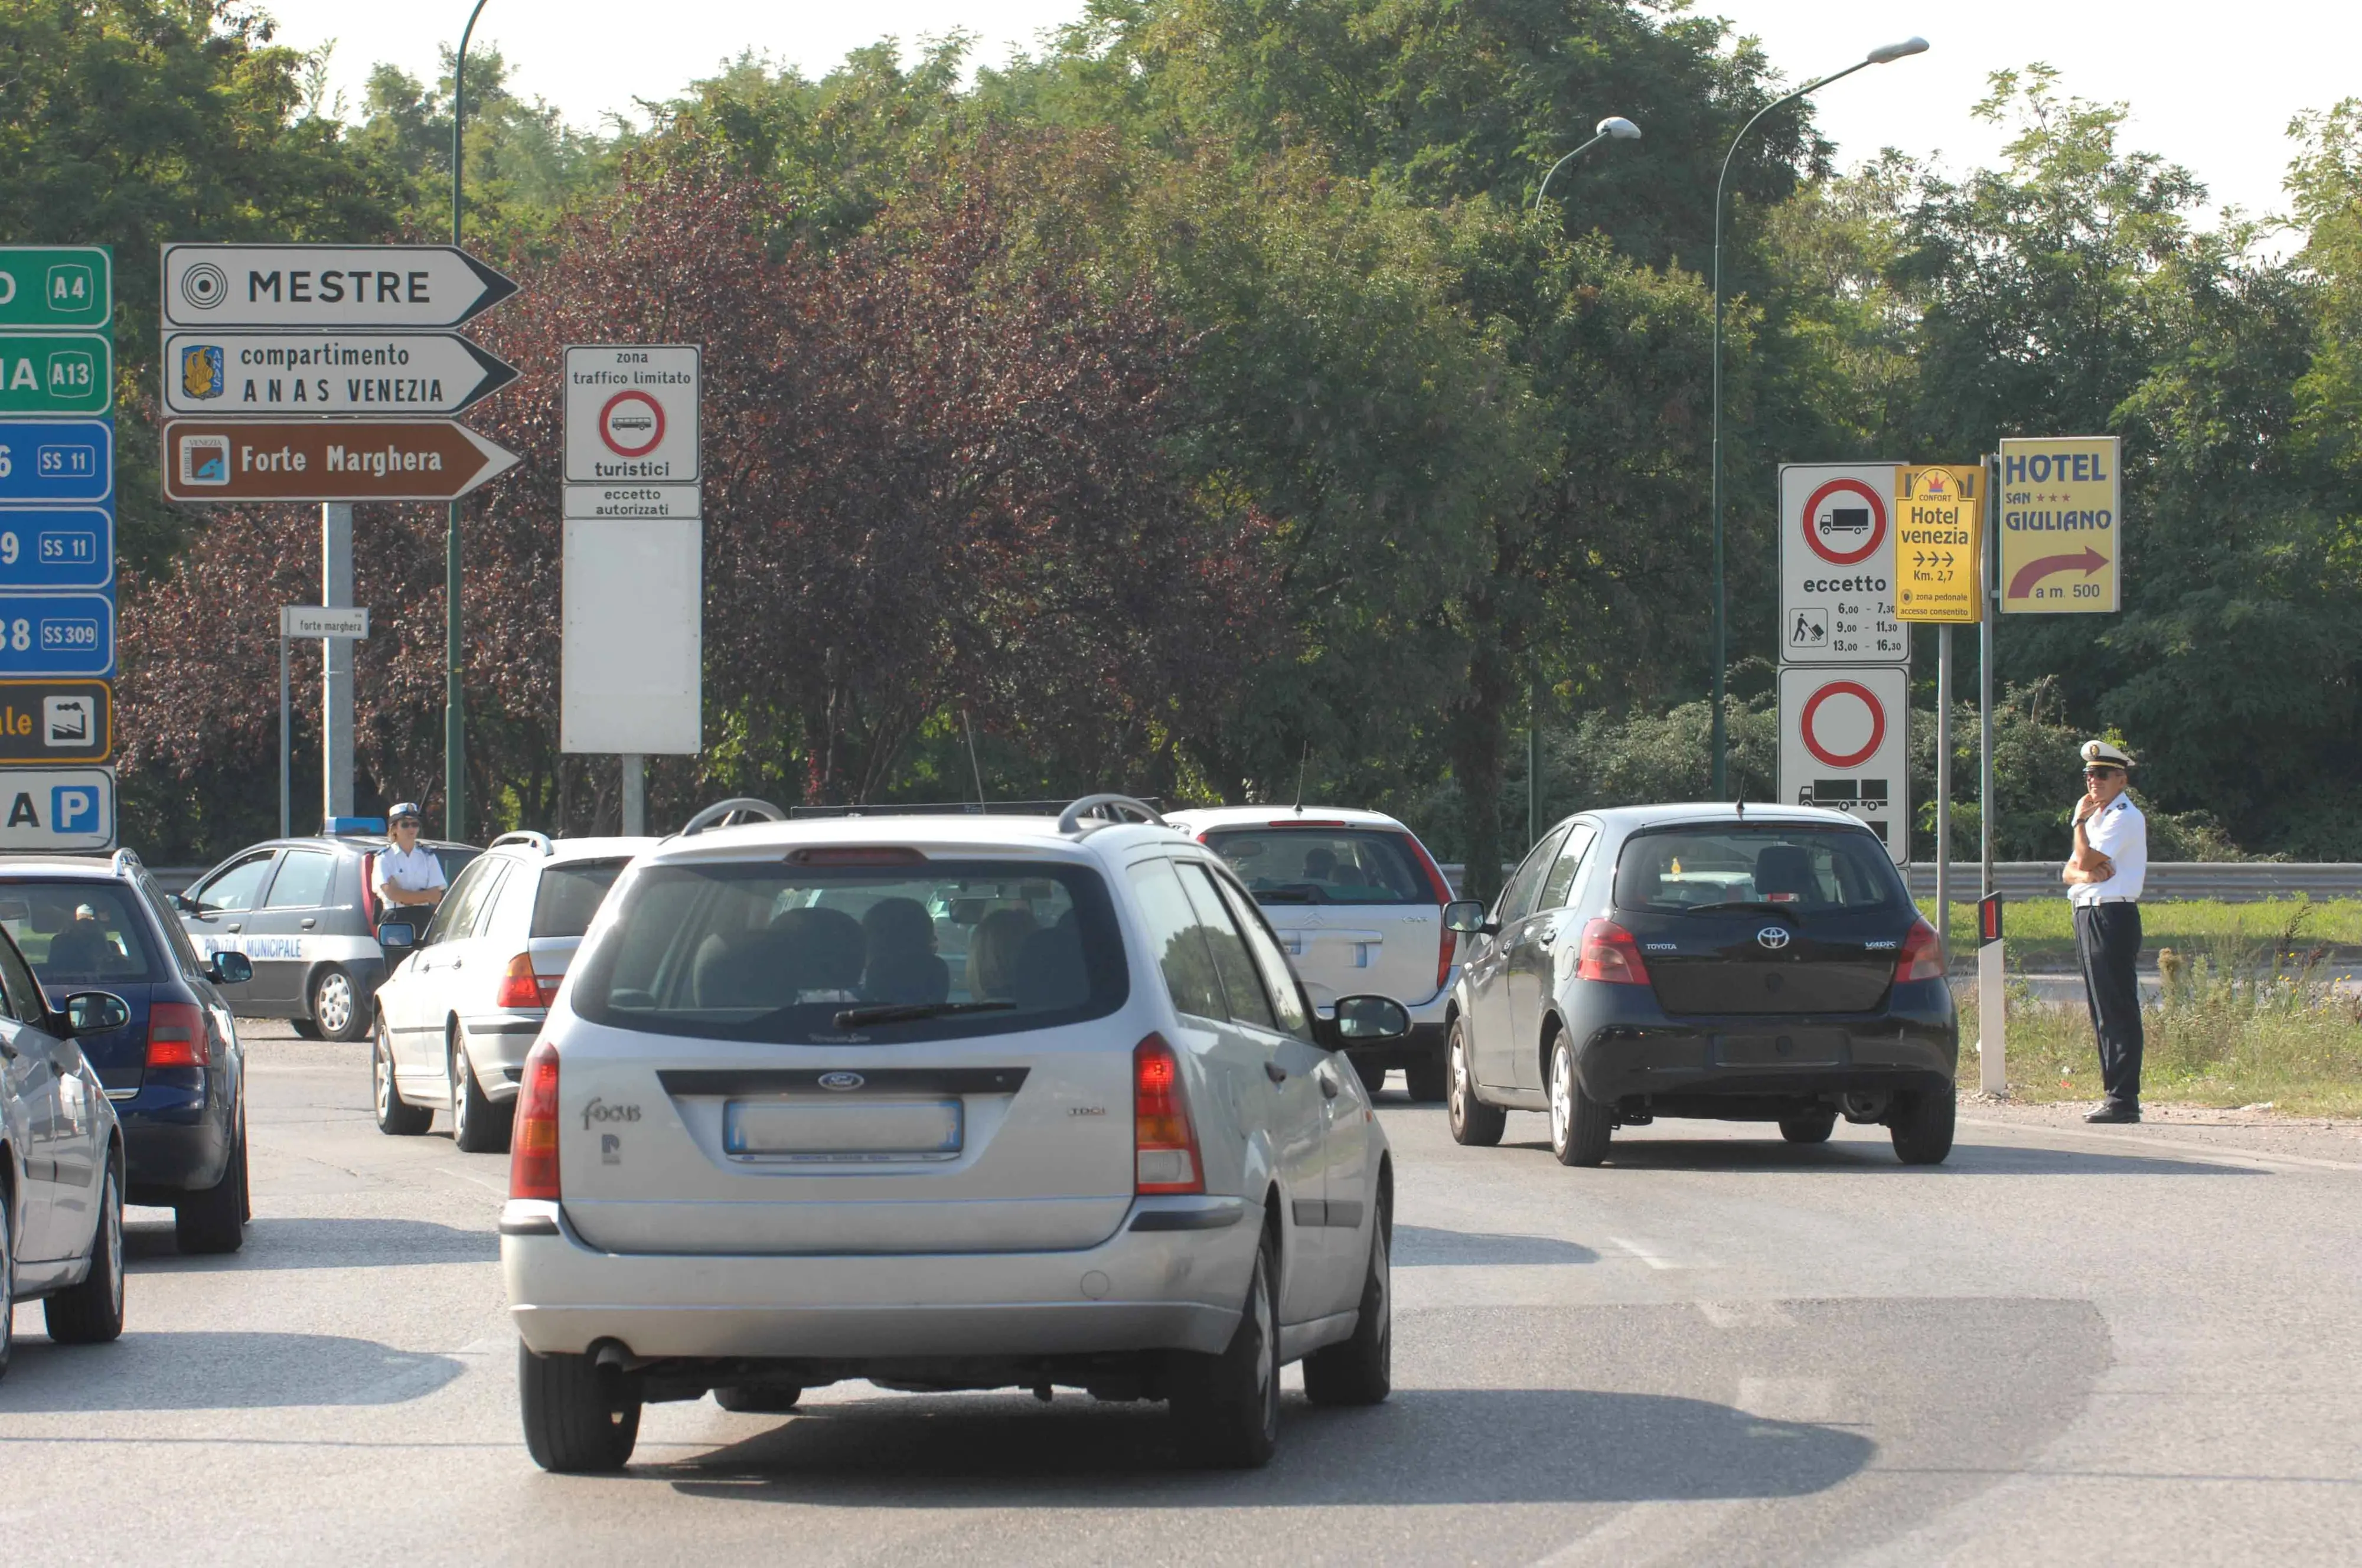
(842, 1081)
(1775, 937)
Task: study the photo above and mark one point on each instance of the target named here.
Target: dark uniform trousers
(2107, 940)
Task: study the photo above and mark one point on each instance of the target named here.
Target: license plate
(1787, 1048)
(842, 1131)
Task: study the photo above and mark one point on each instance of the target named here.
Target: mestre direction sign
(327, 372)
(353, 459)
(2062, 544)
(341, 286)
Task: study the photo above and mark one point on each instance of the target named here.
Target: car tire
(213, 1219)
(1360, 1371)
(478, 1125)
(92, 1312)
(579, 1417)
(7, 1280)
(1372, 1077)
(1922, 1125)
(1473, 1124)
(1581, 1128)
(304, 1029)
(1227, 1406)
(759, 1398)
(1809, 1127)
(1429, 1081)
(395, 1116)
(339, 1010)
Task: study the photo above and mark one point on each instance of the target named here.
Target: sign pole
(286, 751)
(1992, 1018)
(1944, 784)
(636, 795)
(455, 718)
(336, 663)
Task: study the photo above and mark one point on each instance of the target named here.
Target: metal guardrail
(2233, 881)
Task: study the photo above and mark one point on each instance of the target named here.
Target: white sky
(2210, 86)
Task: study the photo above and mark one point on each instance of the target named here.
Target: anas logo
(599, 1111)
(201, 371)
(842, 1082)
(1774, 938)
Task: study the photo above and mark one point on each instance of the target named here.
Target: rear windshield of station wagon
(1804, 868)
(1324, 865)
(801, 955)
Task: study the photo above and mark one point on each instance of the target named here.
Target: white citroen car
(1358, 902)
(772, 1137)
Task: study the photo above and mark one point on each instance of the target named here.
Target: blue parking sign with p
(74, 808)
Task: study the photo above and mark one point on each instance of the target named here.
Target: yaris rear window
(1797, 867)
(1324, 865)
(793, 954)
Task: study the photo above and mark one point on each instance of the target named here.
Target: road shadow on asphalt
(1448, 1445)
(1421, 1246)
(149, 1247)
(216, 1372)
(1774, 1155)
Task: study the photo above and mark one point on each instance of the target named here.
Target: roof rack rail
(125, 861)
(722, 812)
(1111, 809)
(526, 837)
(942, 808)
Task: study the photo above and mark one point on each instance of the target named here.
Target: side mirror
(96, 1012)
(229, 969)
(1466, 916)
(396, 933)
(182, 903)
(1370, 1021)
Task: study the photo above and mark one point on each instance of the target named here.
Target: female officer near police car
(2103, 880)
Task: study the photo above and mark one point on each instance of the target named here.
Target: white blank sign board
(635, 636)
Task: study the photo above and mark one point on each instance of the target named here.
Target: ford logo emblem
(841, 1081)
(1775, 937)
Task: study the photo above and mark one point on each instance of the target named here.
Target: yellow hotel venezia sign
(1939, 543)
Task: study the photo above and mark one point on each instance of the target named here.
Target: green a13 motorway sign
(55, 286)
(56, 372)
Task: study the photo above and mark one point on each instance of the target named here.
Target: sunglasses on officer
(2102, 772)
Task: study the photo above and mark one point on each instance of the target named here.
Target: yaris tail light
(533, 1151)
(1922, 957)
(1164, 1143)
(1609, 953)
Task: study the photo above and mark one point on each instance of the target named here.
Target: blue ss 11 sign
(57, 548)
(57, 461)
(57, 634)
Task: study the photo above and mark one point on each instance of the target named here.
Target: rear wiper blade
(899, 1012)
(1742, 904)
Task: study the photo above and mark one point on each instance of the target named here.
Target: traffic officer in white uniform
(408, 873)
(2103, 881)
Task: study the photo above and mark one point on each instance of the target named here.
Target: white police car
(302, 911)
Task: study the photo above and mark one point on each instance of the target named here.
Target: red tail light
(1165, 1144)
(1443, 952)
(176, 1035)
(533, 1156)
(1609, 953)
(1446, 949)
(1922, 957)
(521, 987)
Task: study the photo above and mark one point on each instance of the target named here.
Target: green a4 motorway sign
(55, 286)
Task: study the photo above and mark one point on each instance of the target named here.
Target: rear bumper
(1638, 1057)
(497, 1044)
(170, 1144)
(1142, 1289)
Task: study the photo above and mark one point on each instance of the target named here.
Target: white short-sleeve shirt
(414, 871)
(2118, 831)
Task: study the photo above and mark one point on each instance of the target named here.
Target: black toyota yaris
(1763, 965)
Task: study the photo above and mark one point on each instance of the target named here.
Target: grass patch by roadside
(2042, 930)
(2237, 1022)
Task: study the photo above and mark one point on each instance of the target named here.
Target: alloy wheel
(111, 1229)
(332, 1004)
(1266, 1353)
(382, 1070)
(459, 1071)
(1561, 1095)
(1459, 1080)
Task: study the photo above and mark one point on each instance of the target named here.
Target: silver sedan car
(944, 1102)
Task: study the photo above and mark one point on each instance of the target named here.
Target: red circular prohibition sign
(1877, 515)
(1877, 724)
(656, 412)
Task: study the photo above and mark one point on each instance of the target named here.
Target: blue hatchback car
(174, 1073)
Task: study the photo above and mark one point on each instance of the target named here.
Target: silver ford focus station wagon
(942, 1102)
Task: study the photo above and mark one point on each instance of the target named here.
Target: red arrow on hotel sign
(2035, 570)
(349, 459)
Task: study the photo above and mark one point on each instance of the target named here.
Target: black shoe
(2113, 1113)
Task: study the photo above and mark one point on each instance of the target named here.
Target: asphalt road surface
(2131, 1345)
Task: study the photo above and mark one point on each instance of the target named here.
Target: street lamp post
(1615, 128)
(455, 713)
(1881, 55)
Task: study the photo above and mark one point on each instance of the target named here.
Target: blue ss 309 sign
(56, 460)
(57, 548)
(57, 634)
